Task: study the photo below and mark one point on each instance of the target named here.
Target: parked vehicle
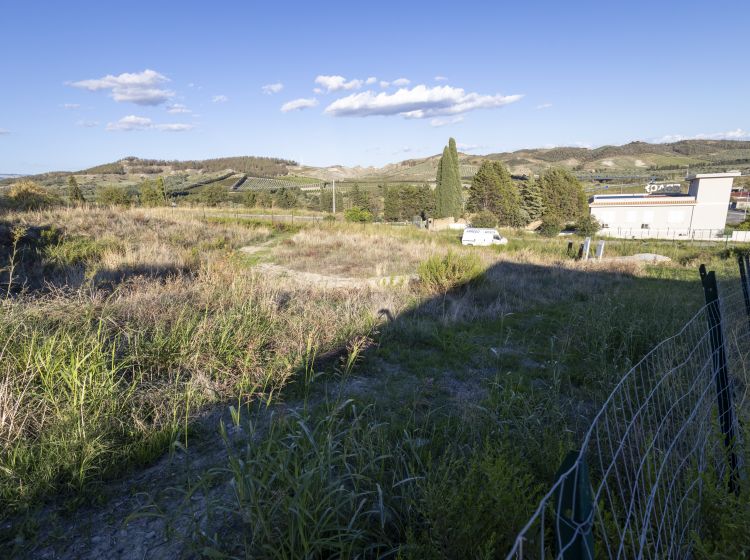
(482, 237)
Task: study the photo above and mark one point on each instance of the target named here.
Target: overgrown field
(418, 418)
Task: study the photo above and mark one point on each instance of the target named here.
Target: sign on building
(652, 188)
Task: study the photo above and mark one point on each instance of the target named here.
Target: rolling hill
(636, 158)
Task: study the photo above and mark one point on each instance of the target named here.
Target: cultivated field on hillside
(176, 383)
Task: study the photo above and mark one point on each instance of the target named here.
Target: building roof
(641, 200)
(713, 175)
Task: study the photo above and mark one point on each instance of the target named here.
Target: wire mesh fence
(669, 427)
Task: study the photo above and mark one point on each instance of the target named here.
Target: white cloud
(371, 80)
(418, 102)
(71, 105)
(174, 127)
(317, 91)
(336, 83)
(298, 104)
(544, 106)
(447, 121)
(441, 79)
(401, 82)
(270, 89)
(132, 122)
(384, 84)
(87, 124)
(178, 108)
(736, 134)
(140, 88)
(219, 99)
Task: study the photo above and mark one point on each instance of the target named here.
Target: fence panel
(634, 488)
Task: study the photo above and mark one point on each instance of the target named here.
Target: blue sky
(84, 83)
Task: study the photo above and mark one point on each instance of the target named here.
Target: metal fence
(634, 488)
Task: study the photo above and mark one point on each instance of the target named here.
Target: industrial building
(699, 214)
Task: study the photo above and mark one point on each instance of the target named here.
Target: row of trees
(557, 197)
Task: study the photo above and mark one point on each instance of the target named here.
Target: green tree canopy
(214, 194)
(113, 196)
(562, 194)
(75, 195)
(492, 190)
(531, 198)
(448, 192)
(151, 194)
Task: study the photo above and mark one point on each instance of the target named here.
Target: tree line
(492, 198)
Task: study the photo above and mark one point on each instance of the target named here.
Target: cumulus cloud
(219, 99)
(384, 84)
(141, 88)
(270, 89)
(401, 82)
(544, 106)
(71, 105)
(441, 79)
(133, 122)
(446, 121)
(87, 124)
(299, 104)
(736, 134)
(178, 108)
(337, 83)
(418, 102)
(371, 80)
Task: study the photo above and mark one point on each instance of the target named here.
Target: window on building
(645, 226)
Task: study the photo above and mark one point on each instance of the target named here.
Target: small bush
(74, 250)
(28, 195)
(113, 196)
(356, 214)
(587, 226)
(441, 274)
(551, 226)
(484, 219)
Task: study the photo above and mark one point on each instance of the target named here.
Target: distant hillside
(635, 158)
(131, 170)
(639, 158)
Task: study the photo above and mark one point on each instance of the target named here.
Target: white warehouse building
(699, 214)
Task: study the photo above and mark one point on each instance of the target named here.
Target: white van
(482, 236)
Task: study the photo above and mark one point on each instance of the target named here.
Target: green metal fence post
(574, 513)
(723, 388)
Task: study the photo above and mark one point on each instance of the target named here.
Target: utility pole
(334, 196)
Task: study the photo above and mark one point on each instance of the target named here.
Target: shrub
(112, 196)
(442, 273)
(587, 226)
(551, 226)
(744, 226)
(356, 214)
(484, 219)
(28, 195)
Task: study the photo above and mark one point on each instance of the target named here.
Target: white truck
(482, 236)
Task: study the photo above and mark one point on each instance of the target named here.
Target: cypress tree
(391, 204)
(75, 195)
(449, 192)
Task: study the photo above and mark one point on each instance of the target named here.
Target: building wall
(672, 217)
(701, 214)
(712, 200)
